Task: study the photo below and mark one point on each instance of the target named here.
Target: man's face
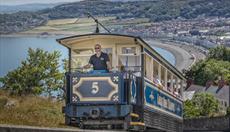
(97, 48)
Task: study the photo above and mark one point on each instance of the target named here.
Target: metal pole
(98, 23)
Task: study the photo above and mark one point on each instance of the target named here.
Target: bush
(201, 105)
(38, 74)
(228, 111)
(3, 102)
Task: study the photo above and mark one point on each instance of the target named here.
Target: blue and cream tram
(143, 91)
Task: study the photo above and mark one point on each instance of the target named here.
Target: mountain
(36, 6)
(156, 10)
(20, 21)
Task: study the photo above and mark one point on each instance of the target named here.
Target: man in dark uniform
(99, 60)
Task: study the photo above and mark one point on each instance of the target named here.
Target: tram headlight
(95, 113)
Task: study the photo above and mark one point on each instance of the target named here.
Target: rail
(20, 128)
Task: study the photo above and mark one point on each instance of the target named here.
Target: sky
(21, 2)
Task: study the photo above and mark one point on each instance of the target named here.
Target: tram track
(21, 128)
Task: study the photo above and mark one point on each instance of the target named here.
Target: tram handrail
(126, 69)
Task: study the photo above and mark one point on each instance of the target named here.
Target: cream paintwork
(116, 43)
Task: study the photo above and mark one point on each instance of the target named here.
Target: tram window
(148, 67)
(129, 50)
(168, 86)
(82, 51)
(169, 82)
(156, 78)
(163, 70)
(107, 50)
(155, 68)
(129, 60)
(176, 92)
(178, 83)
(126, 60)
(79, 61)
(80, 57)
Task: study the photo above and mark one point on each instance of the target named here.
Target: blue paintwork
(133, 90)
(152, 95)
(105, 87)
(98, 71)
(107, 111)
(85, 89)
(121, 108)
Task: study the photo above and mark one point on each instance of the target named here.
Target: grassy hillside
(30, 110)
(70, 26)
(156, 10)
(74, 26)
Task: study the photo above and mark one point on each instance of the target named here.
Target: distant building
(221, 93)
(44, 33)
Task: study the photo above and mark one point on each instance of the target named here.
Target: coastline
(185, 55)
(38, 34)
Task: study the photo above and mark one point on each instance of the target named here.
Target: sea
(14, 49)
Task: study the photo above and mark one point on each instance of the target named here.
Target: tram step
(137, 124)
(134, 115)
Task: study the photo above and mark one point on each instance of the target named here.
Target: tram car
(142, 92)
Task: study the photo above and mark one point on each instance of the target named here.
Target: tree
(191, 110)
(216, 65)
(228, 111)
(209, 70)
(202, 104)
(38, 74)
(219, 53)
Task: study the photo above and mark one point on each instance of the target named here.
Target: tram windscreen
(129, 60)
(79, 58)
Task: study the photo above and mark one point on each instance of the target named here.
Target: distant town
(205, 32)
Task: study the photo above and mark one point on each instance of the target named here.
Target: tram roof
(68, 41)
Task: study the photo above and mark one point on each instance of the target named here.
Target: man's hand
(109, 67)
(86, 66)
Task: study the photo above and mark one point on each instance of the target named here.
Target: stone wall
(205, 124)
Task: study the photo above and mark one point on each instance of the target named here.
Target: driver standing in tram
(99, 60)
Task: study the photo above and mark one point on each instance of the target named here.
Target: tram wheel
(67, 120)
(81, 125)
(109, 126)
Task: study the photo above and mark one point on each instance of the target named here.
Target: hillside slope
(156, 10)
(30, 110)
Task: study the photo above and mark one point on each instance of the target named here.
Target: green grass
(86, 25)
(31, 110)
